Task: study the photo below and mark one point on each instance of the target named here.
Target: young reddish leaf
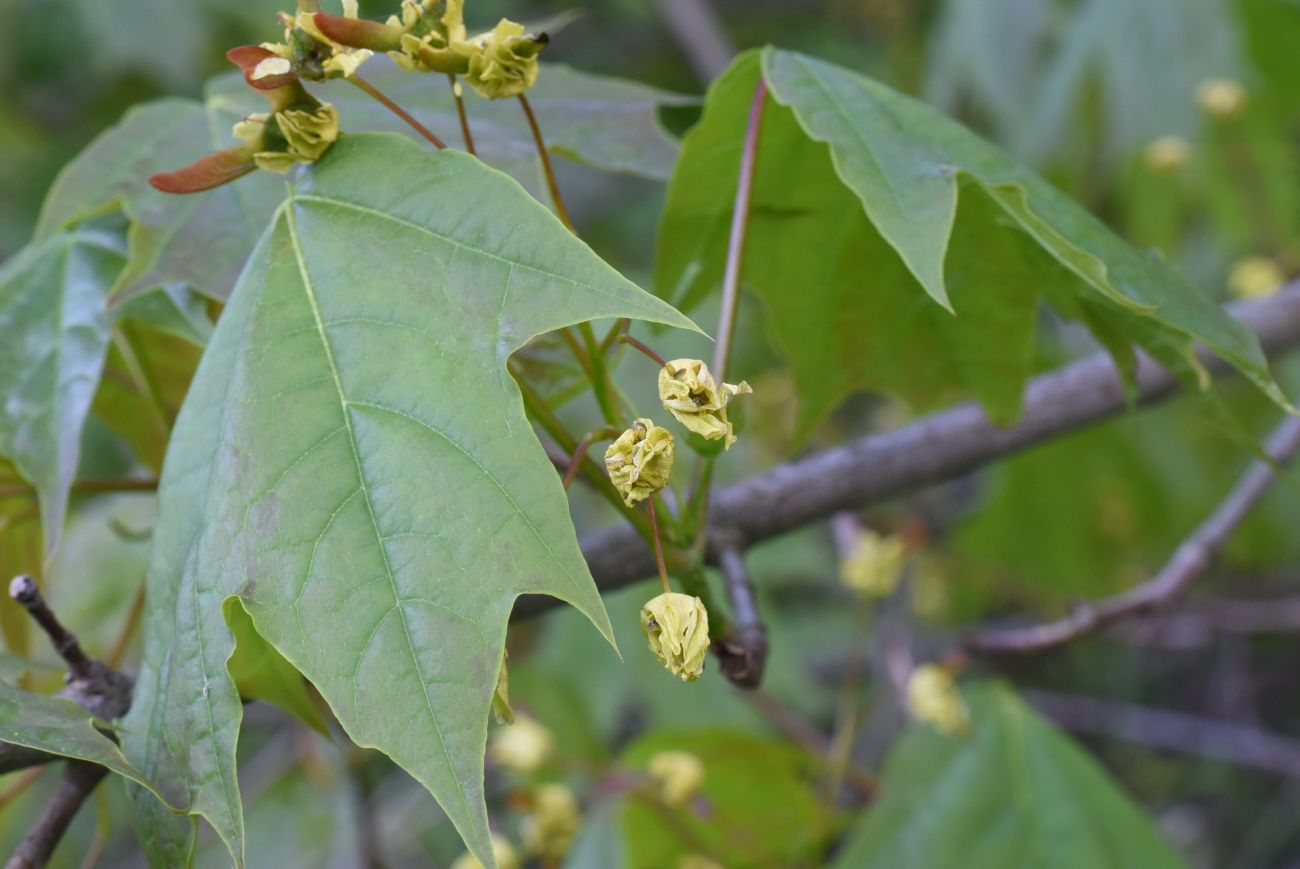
(210, 170)
(247, 58)
(358, 32)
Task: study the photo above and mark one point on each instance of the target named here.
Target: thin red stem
(632, 342)
(397, 110)
(658, 545)
(458, 93)
(560, 210)
(739, 230)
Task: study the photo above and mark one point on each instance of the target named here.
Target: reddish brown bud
(248, 57)
(210, 170)
(358, 32)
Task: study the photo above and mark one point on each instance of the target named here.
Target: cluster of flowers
(640, 463)
(427, 36)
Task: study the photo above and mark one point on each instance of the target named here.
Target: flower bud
(523, 746)
(677, 627)
(678, 775)
(1221, 97)
(1167, 154)
(932, 697)
(504, 62)
(640, 461)
(689, 393)
(1255, 277)
(874, 566)
(502, 851)
(552, 824)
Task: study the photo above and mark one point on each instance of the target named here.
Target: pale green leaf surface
(199, 239)
(59, 726)
(1014, 792)
(53, 338)
(354, 464)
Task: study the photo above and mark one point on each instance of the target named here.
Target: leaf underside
(353, 463)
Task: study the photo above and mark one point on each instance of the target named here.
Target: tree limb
(935, 448)
(1189, 561)
(79, 780)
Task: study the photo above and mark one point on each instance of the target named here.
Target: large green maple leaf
(353, 468)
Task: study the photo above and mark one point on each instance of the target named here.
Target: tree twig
(742, 652)
(79, 780)
(23, 589)
(935, 448)
(1189, 561)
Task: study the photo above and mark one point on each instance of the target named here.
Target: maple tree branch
(1188, 562)
(935, 448)
(78, 782)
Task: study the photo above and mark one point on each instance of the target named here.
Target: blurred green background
(1080, 91)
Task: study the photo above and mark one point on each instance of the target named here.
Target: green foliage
(1014, 792)
(309, 482)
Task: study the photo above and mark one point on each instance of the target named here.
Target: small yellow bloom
(308, 50)
(523, 746)
(678, 774)
(1167, 154)
(501, 710)
(1220, 97)
(932, 697)
(432, 43)
(677, 627)
(641, 461)
(689, 393)
(504, 63)
(502, 851)
(1255, 277)
(305, 136)
(553, 823)
(874, 566)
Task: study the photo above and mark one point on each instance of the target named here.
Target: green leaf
(59, 726)
(261, 673)
(53, 336)
(354, 464)
(200, 240)
(172, 308)
(15, 667)
(848, 164)
(1015, 792)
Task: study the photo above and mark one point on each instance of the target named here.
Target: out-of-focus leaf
(198, 240)
(59, 726)
(1015, 792)
(53, 336)
(174, 309)
(600, 844)
(13, 667)
(757, 805)
(376, 528)
(262, 673)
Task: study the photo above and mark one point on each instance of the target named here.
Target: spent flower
(553, 822)
(677, 775)
(689, 392)
(523, 746)
(932, 697)
(874, 565)
(640, 461)
(677, 628)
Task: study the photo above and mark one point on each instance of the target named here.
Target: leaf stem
(556, 199)
(632, 342)
(739, 230)
(397, 110)
(659, 548)
(458, 93)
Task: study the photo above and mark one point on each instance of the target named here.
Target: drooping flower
(552, 823)
(677, 774)
(504, 62)
(523, 746)
(874, 565)
(640, 461)
(689, 392)
(677, 628)
(932, 697)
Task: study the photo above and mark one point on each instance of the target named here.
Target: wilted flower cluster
(552, 823)
(677, 626)
(677, 776)
(874, 565)
(689, 393)
(640, 461)
(523, 746)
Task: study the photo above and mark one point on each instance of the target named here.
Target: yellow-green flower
(523, 746)
(1167, 154)
(932, 697)
(502, 851)
(874, 566)
(552, 824)
(1255, 277)
(678, 775)
(309, 52)
(641, 461)
(280, 139)
(504, 63)
(690, 394)
(432, 42)
(677, 627)
(1221, 97)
